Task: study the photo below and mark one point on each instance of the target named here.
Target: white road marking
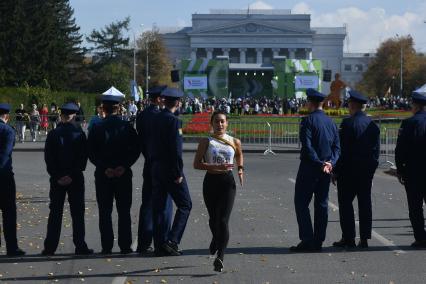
(119, 280)
(374, 234)
(123, 279)
(135, 244)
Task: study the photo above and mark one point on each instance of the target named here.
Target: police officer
(410, 157)
(144, 124)
(65, 154)
(7, 181)
(168, 177)
(354, 172)
(319, 154)
(113, 149)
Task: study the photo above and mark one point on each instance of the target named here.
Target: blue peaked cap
(358, 97)
(314, 95)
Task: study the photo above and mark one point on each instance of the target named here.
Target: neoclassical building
(253, 38)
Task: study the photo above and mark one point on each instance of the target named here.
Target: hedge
(38, 95)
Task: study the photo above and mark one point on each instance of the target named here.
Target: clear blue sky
(381, 19)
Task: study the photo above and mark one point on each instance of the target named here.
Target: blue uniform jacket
(360, 146)
(7, 141)
(113, 143)
(320, 140)
(65, 151)
(167, 144)
(144, 126)
(410, 152)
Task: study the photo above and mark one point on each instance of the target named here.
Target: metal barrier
(388, 144)
(270, 134)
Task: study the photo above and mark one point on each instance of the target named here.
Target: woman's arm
(240, 160)
(199, 163)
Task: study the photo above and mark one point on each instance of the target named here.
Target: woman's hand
(224, 167)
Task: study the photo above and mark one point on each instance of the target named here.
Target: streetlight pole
(402, 62)
(134, 58)
(147, 65)
(401, 65)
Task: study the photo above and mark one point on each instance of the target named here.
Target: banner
(195, 82)
(306, 82)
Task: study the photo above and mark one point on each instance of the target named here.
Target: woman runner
(216, 155)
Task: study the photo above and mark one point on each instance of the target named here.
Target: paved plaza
(263, 227)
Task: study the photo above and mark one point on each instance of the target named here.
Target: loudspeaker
(174, 74)
(326, 75)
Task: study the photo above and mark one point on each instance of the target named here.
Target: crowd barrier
(273, 134)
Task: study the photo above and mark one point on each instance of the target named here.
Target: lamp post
(401, 66)
(147, 65)
(134, 57)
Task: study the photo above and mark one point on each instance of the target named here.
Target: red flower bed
(200, 123)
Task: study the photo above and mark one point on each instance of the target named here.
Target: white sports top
(220, 152)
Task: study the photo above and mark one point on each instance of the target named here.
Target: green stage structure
(284, 78)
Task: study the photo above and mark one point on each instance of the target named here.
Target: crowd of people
(347, 157)
(40, 119)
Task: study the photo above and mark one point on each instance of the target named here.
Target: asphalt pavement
(263, 227)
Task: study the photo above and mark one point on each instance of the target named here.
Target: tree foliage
(110, 40)
(39, 41)
(159, 66)
(383, 73)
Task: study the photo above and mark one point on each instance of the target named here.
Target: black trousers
(219, 194)
(75, 192)
(416, 194)
(8, 208)
(349, 187)
(120, 190)
(146, 224)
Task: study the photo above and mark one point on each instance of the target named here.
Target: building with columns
(252, 39)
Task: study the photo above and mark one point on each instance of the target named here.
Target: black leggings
(219, 195)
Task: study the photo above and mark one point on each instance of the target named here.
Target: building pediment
(250, 27)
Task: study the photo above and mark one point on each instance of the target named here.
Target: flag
(134, 91)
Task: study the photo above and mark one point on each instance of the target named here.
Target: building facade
(252, 39)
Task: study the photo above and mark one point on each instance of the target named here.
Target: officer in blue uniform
(410, 157)
(167, 175)
(319, 154)
(113, 149)
(65, 154)
(7, 182)
(144, 124)
(354, 172)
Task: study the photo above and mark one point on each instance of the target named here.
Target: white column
(310, 56)
(242, 55)
(292, 53)
(209, 53)
(276, 52)
(226, 51)
(259, 52)
(193, 54)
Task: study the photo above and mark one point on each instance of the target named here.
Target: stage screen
(306, 82)
(195, 82)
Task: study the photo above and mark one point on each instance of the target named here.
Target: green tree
(39, 41)
(113, 74)
(110, 41)
(159, 66)
(384, 71)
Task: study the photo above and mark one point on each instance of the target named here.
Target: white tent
(421, 90)
(114, 92)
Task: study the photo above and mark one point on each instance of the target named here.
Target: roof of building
(250, 11)
(329, 30)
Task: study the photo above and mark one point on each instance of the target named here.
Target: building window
(359, 68)
(348, 67)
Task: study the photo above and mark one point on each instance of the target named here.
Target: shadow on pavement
(135, 273)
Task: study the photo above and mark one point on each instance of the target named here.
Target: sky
(368, 22)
